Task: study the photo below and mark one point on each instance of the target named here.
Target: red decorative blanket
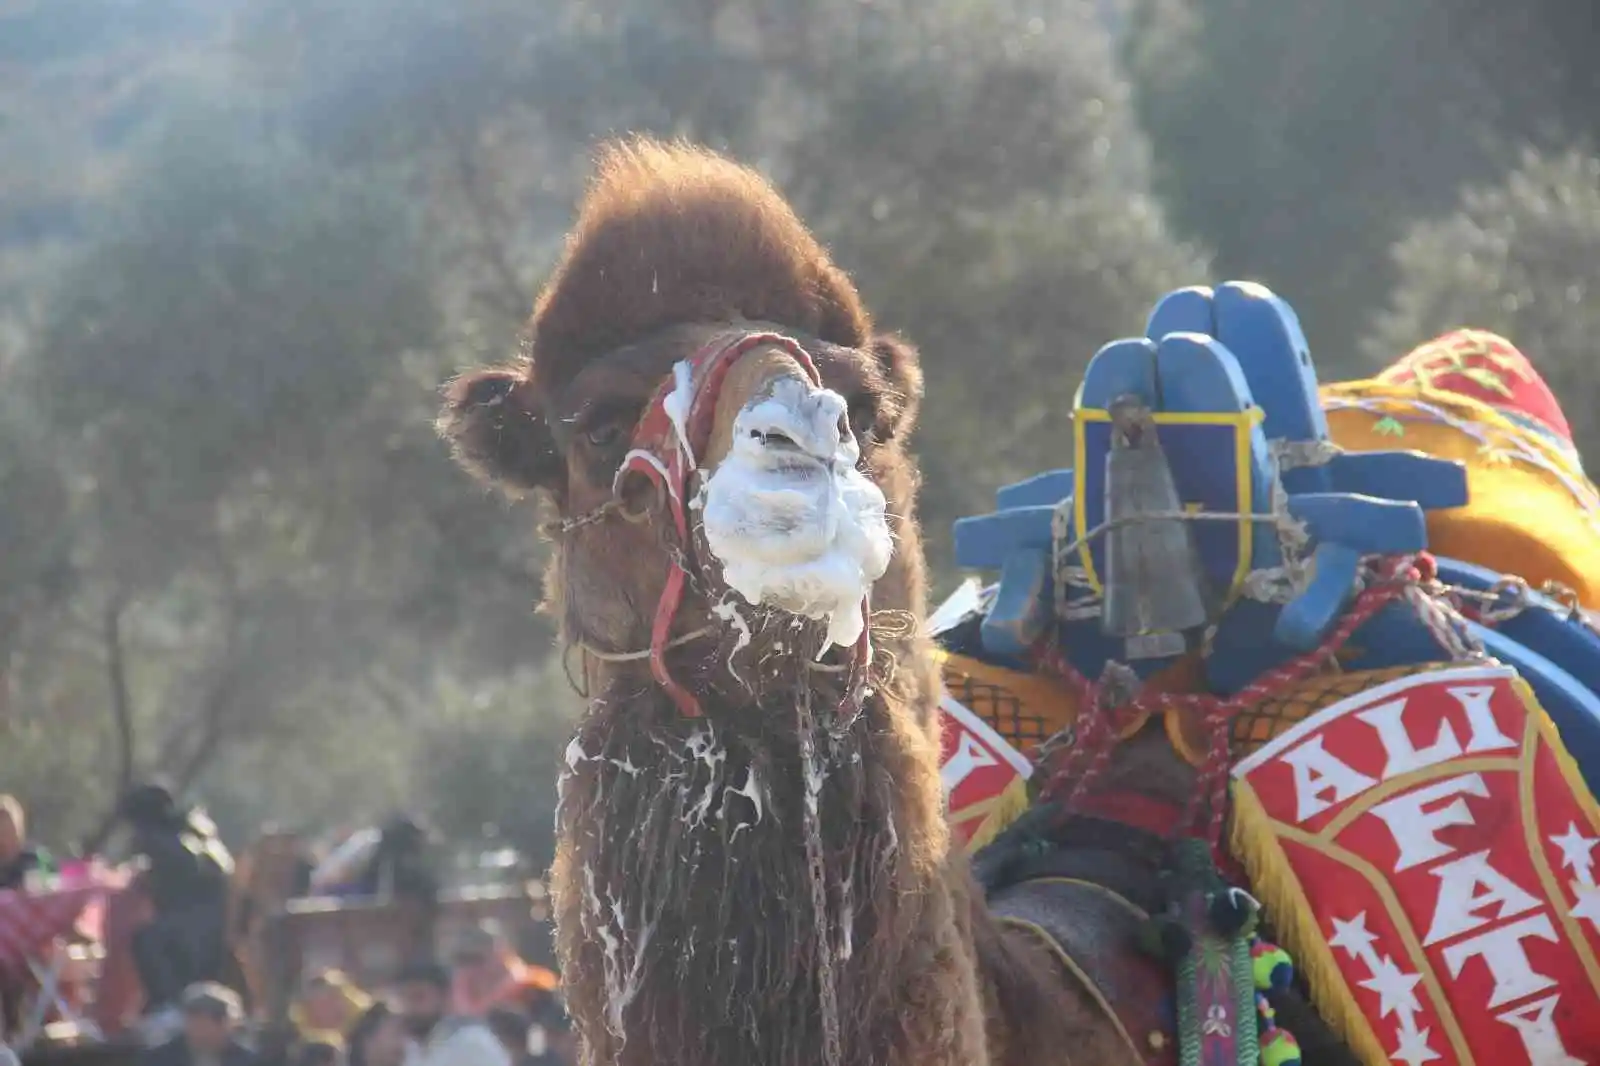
(1426, 848)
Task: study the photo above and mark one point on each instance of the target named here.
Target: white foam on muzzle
(677, 403)
(798, 527)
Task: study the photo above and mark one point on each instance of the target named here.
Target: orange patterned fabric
(1267, 719)
(1486, 367)
(1472, 397)
(1027, 709)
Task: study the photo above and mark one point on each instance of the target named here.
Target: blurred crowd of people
(183, 872)
(487, 1007)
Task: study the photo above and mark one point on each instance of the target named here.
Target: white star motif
(1413, 1049)
(1576, 850)
(1588, 905)
(1393, 987)
(1352, 936)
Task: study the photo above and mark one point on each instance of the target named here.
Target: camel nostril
(774, 439)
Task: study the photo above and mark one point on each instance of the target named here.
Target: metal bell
(1154, 590)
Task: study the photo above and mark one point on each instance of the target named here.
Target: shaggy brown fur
(691, 926)
(678, 234)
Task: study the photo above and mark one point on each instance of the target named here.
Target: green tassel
(1244, 992)
(1216, 975)
(1189, 1041)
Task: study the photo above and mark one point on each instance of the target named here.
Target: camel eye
(863, 417)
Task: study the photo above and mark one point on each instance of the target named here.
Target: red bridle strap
(667, 460)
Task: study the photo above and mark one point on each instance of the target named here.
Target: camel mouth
(794, 523)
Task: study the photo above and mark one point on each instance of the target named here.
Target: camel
(753, 862)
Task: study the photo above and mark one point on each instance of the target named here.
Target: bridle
(672, 431)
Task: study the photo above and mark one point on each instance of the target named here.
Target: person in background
(512, 1029)
(378, 1038)
(489, 974)
(328, 1005)
(211, 1017)
(339, 872)
(186, 877)
(302, 856)
(318, 1053)
(17, 861)
(17, 857)
(560, 1042)
(443, 1040)
(403, 864)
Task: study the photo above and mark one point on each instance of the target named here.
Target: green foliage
(494, 756)
(1300, 139)
(36, 566)
(222, 331)
(1011, 232)
(1521, 258)
(235, 379)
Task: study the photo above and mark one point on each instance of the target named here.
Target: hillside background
(242, 241)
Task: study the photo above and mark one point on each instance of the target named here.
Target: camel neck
(720, 879)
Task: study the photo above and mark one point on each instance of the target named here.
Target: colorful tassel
(1271, 965)
(1279, 1048)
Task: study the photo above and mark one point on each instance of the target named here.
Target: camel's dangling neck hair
(688, 894)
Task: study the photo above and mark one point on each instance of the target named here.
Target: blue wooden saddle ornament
(1228, 376)
(1230, 382)
(1264, 334)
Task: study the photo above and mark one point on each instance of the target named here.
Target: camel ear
(496, 434)
(903, 368)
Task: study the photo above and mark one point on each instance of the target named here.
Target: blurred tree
(80, 81)
(977, 166)
(1521, 258)
(264, 511)
(442, 95)
(493, 757)
(35, 567)
(1300, 139)
(326, 761)
(36, 582)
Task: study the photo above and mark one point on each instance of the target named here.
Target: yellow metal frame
(1243, 423)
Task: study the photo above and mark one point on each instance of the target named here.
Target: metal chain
(562, 527)
(828, 994)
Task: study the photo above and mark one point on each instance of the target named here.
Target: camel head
(703, 401)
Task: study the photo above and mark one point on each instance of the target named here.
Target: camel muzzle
(745, 431)
(794, 522)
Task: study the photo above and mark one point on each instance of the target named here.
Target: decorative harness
(674, 428)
